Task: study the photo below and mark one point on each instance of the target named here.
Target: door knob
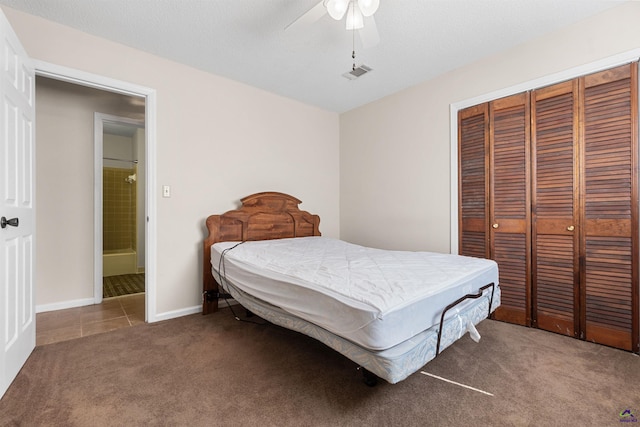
(12, 222)
(570, 228)
(495, 225)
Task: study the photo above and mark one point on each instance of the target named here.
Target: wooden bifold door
(548, 187)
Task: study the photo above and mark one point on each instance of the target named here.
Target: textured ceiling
(245, 40)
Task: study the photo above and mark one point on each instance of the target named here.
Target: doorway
(118, 95)
(120, 209)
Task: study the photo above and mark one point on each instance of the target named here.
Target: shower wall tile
(118, 209)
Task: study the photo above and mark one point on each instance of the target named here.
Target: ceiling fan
(359, 16)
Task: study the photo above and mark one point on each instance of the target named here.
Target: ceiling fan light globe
(368, 7)
(337, 8)
(355, 20)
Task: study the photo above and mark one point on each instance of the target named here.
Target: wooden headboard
(262, 216)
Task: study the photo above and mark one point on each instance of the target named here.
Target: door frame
(83, 78)
(98, 194)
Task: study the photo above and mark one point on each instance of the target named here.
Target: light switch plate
(166, 191)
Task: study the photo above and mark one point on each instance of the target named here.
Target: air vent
(357, 72)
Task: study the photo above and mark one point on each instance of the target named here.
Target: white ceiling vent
(357, 72)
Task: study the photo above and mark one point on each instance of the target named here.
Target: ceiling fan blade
(309, 17)
(369, 33)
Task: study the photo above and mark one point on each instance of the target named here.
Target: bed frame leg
(369, 378)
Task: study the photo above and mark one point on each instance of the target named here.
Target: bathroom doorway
(121, 140)
(66, 156)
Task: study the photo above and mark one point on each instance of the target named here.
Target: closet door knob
(495, 225)
(570, 228)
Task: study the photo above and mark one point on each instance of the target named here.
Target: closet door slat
(473, 181)
(509, 136)
(610, 275)
(554, 205)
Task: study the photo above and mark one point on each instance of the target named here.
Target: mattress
(371, 297)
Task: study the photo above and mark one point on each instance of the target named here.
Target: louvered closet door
(510, 202)
(555, 208)
(610, 182)
(473, 137)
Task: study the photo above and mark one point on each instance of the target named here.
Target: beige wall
(217, 141)
(395, 153)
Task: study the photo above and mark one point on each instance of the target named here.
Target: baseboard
(64, 304)
(90, 301)
(167, 315)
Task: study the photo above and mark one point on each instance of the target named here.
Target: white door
(17, 164)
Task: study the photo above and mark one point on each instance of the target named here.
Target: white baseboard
(90, 301)
(64, 304)
(177, 313)
(167, 315)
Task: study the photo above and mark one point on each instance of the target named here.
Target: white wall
(217, 141)
(395, 153)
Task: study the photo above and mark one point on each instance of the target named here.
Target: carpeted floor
(115, 286)
(215, 371)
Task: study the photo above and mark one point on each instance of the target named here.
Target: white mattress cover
(374, 298)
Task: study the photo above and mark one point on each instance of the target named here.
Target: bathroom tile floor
(113, 313)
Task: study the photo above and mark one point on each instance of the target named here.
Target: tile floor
(113, 313)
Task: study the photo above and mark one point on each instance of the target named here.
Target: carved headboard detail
(262, 216)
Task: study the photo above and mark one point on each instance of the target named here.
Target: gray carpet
(213, 370)
(126, 284)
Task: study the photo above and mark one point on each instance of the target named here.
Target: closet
(548, 187)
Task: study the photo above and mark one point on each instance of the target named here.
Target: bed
(390, 312)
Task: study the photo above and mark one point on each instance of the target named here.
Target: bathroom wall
(119, 229)
(119, 198)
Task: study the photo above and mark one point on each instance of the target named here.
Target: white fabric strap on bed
(473, 332)
(469, 327)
